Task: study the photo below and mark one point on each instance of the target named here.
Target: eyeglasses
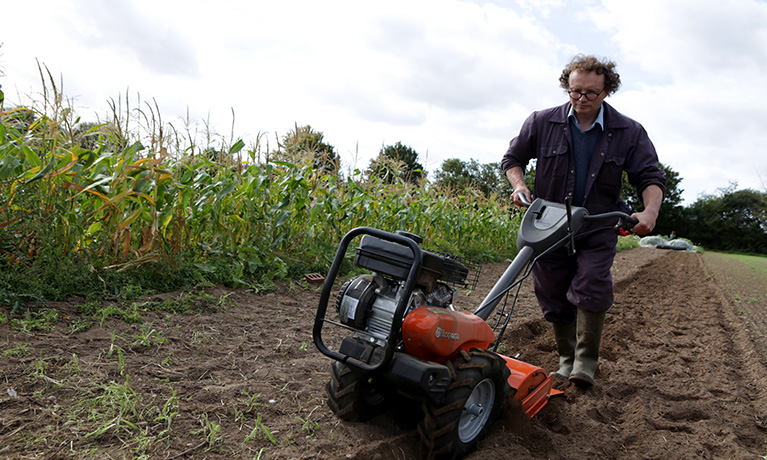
(590, 95)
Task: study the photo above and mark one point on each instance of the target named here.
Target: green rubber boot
(589, 336)
(564, 334)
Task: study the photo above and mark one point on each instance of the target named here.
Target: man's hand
(516, 178)
(652, 197)
(646, 223)
(525, 192)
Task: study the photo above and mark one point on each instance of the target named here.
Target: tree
(397, 162)
(671, 214)
(304, 143)
(461, 176)
(731, 221)
(454, 174)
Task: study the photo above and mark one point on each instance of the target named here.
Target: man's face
(590, 83)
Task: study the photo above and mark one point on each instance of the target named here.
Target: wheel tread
(439, 427)
(346, 399)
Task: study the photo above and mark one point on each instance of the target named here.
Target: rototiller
(397, 334)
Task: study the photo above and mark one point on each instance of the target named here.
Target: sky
(448, 78)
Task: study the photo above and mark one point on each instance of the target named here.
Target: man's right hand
(516, 178)
(525, 192)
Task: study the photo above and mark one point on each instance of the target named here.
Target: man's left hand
(646, 223)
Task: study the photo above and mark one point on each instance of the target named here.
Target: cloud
(120, 27)
(694, 75)
(684, 38)
(468, 57)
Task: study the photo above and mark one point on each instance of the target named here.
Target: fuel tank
(437, 334)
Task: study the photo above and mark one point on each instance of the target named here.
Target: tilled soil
(681, 376)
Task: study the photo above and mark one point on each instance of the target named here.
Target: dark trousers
(564, 283)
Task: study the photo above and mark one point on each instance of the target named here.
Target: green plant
(129, 315)
(79, 325)
(260, 427)
(147, 336)
(627, 242)
(122, 213)
(130, 292)
(39, 366)
(114, 348)
(252, 401)
(167, 414)
(309, 426)
(209, 430)
(42, 320)
(19, 351)
(73, 366)
(116, 409)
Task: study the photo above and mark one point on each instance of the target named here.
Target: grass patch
(755, 262)
(627, 242)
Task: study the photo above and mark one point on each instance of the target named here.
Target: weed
(147, 337)
(175, 305)
(19, 351)
(73, 366)
(252, 400)
(114, 311)
(108, 312)
(89, 308)
(309, 426)
(79, 325)
(130, 292)
(114, 409)
(239, 415)
(39, 366)
(260, 427)
(168, 412)
(266, 431)
(43, 320)
(259, 288)
(132, 315)
(114, 348)
(209, 430)
(627, 242)
(223, 301)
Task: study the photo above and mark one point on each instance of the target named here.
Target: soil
(681, 376)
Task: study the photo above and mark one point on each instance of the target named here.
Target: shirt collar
(599, 121)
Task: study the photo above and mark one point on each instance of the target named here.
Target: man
(581, 149)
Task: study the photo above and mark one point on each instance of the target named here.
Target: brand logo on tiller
(447, 335)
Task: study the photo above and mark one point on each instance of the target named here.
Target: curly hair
(590, 63)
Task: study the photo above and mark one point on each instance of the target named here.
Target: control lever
(569, 208)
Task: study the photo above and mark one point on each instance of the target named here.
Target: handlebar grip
(625, 224)
(525, 200)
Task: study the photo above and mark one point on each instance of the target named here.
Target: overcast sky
(451, 79)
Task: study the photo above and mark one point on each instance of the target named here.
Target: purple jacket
(623, 146)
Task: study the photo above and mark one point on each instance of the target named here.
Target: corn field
(133, 192)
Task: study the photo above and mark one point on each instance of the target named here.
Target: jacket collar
(612, 118)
